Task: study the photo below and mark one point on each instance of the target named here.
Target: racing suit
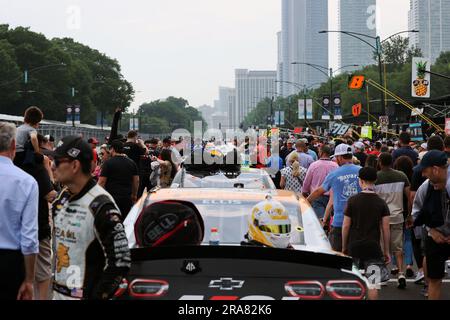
(92, 254)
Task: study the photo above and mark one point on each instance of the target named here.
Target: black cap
(167, 140)
(74, 147)
(433, 158)
(368, 174)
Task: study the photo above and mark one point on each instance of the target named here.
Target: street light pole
(378, 50)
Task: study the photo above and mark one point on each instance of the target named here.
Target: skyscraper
(356, 16)
(251, 88)
(431, 18)
(301, 42)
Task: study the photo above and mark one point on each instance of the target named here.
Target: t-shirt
(23, 135)
(45, 186)
(417, 179)
(366, 211)
(405, 151)
(313, 154)
(133, 151)
(293, 183)
(390, 187)
(317, 173)
(344, 183)
(119, 172)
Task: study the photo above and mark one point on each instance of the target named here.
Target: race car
(220, 173)
(169, 232)
(245, 178)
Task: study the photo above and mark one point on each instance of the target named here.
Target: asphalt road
(412, 291)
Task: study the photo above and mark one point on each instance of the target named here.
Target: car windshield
(259, 180)
(230, 217)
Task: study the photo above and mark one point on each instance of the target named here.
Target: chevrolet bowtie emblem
(227, 284)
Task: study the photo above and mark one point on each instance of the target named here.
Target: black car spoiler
(243, 252)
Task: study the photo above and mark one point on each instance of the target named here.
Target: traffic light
(356, 82)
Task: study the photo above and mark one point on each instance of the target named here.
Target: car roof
(188, 194)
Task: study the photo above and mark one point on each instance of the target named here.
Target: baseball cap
(93, 140)
(74, 147)
(424, 146)
(433, 158)
(292, 141)
(359, 145)
(342, 150)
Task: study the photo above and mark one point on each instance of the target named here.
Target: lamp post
(378, 50)
(328, 75)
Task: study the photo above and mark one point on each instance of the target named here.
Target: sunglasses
(57, 162)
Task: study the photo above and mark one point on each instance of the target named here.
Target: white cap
(424, 146)
(359, 145)
(342, 150)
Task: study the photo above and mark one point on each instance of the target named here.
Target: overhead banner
(279, 118)
(309, 109)
(447, 126)
(421, 79)
(326, 104)
(134, 124)
(337, 105)
(301, 109)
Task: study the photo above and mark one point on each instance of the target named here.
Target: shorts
(396, 243)
(44, 261)
(437, 255)
(336, 239)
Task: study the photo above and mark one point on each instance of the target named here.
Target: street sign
(421, 79)
(356, 110)
(356, 82)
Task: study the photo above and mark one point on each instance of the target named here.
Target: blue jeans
(407, 249)
(320, 205)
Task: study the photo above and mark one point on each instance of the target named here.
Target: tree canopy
(55, 67)
(165, 116)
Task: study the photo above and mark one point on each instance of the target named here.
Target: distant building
(300, 41)
(432, 19)
(356, 16)
(207, 112)
(251, 88)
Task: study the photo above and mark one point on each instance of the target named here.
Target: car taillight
(121, 289)
(307, 290)
(144, 288)
(346, 290)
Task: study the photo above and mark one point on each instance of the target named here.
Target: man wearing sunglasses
(92, 254)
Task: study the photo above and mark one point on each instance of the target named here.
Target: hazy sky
(185, 48)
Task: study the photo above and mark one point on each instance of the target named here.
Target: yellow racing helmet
(269, 224)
